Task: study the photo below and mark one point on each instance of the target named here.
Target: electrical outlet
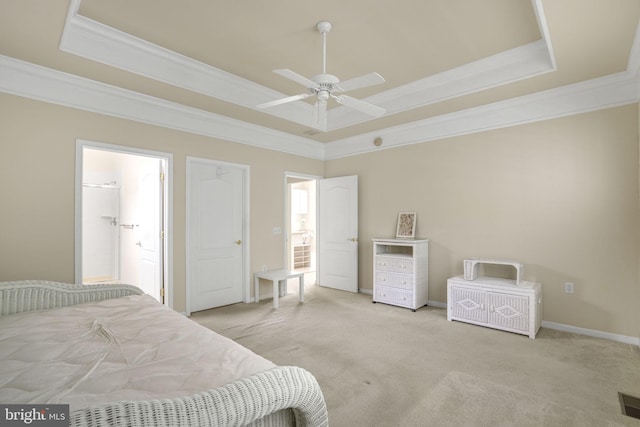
(264, 267)
(568, 287)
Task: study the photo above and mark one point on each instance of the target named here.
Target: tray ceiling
(438, 57)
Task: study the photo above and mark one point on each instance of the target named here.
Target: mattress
(128, 348)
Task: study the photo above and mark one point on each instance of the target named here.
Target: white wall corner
(544, 31)
(633, 65)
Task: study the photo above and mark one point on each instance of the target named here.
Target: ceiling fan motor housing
(325, 82)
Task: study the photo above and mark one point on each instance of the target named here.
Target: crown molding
(605, 92)
(40, 83)
(44, 84)
(506, 67)
(93, 40)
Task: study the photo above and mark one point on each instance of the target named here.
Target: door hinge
(162, 235)
(162, 292)
(162, 176)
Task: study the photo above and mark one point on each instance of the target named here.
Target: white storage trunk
(496, 303)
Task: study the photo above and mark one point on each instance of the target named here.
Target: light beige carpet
(465, 400)
(380, 365)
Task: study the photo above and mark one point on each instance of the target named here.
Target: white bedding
(127, 348)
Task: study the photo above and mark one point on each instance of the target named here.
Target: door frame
(167, 214)
(246, 175)
(287, 210)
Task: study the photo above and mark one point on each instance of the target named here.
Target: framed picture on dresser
(406, 225)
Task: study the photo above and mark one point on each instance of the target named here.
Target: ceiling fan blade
(291, 75)
(356, 104)
(370, 79)
(319, 120)
(283, 100)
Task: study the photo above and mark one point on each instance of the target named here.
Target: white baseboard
(557, 326)
(592, 333)
(437, 304)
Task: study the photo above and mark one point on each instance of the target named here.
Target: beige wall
(561, 196)
(37, 167)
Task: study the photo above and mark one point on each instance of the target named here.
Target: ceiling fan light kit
(325, 86)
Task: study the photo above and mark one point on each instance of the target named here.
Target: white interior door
(215, 224)
(150, 229)
(338, 233)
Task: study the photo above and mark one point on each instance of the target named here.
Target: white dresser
(496, 303)
(401, 272)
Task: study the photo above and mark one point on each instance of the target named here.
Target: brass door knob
(237, 242)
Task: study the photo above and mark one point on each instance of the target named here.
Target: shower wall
(100, 242)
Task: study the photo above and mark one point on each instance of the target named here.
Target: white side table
(278, 277)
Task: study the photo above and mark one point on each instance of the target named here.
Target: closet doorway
(301, 224)
(121, 217)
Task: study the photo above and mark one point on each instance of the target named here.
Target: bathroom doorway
(120, 225)
(301, 221)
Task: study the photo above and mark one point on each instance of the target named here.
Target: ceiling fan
(325, 86)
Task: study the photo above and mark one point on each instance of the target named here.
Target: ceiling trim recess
(506, 67)
(40, 83)
(44, 84)
(605, 92)
(93, 40)
(592, 95)
(98, 42)
(523, 62)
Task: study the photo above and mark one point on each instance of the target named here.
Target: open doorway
(121, 216)
(301, 221)
(321, 218)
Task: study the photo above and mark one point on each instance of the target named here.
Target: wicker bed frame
(280, 396)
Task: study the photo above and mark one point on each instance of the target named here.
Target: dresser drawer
(386, 278)
(394, 296)
(394, 264)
